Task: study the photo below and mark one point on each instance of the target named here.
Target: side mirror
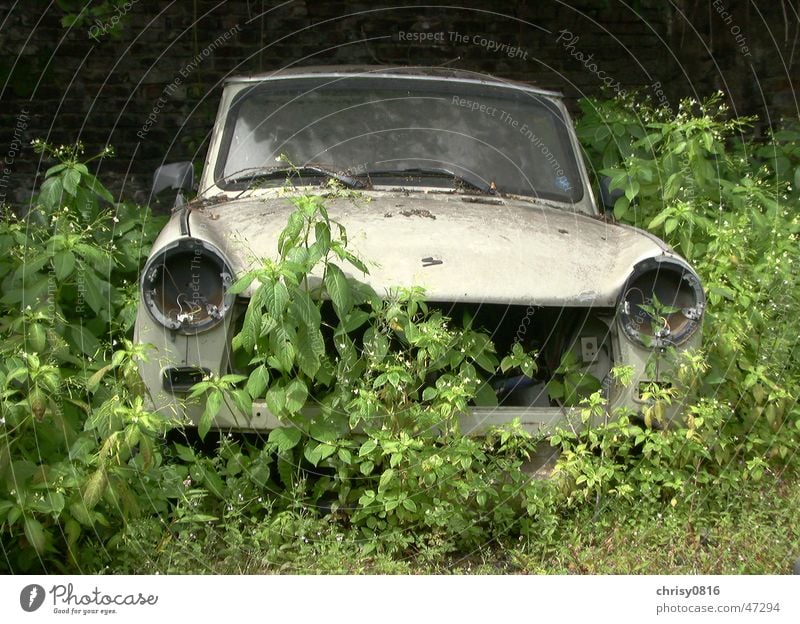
(177, 176)
(608, 198)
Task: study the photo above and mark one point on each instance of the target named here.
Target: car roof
(387, 71)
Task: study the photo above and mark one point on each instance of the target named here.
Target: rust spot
(418, 213)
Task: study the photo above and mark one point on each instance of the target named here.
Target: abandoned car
(473, 188)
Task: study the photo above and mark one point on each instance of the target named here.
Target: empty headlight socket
(185, 286)
(676, 287)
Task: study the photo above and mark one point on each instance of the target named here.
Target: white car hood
(458, 247)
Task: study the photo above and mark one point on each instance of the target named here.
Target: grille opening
(550, 332)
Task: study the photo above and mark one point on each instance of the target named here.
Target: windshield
(508, 139)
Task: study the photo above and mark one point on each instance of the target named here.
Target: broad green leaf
(95, 487)
(185, 453)
(486, 396)
(50, 193)
(95, 291)
(63, 264)
(285, 438)
(242, 401)
(409, 504)
(54, 170)
(305, 309)
(290, 235)
(296, 395)
(80, 512)
(242, 284)
(323, 432)
(96, 186)
(659, 219)
(210, 479)
(352, 321)
(70, 180)
(277, 296)
(386, 479)
(621, 208)
(366, 448)
(34, 533)
(83, 339)
(311, 452)
(345, 456)
(276, 400)
(308, 351)
(213, 404)
(82, 448)
(257, 382)
(322, 232)
(338, 290)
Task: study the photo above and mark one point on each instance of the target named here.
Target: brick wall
(152, 90)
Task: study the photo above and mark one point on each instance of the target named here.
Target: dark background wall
(146, 76)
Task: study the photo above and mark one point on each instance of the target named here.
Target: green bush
(78, 453)
(729, 204)
(382, 468)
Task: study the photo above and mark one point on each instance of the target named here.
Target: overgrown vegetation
(381, 473)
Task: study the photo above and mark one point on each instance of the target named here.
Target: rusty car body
(476, 191)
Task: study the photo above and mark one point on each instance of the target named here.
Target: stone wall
(150, 85)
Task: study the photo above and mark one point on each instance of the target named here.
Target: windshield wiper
(271, 173)
(436, 172)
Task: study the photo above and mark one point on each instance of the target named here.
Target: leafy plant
(78, 450)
